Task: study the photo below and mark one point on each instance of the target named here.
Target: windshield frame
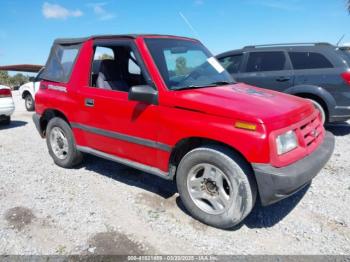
(157, 48)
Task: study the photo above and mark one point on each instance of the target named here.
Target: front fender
(316, 91)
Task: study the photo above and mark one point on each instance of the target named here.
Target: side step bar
(133, 164)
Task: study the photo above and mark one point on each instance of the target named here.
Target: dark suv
(316, 71)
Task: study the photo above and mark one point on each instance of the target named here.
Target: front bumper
(274, 184)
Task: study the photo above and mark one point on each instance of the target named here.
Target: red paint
(207, 113)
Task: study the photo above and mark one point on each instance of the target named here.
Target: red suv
(164, 105)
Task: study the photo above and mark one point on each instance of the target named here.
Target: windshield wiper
(221, 83)
(218, 83)
(189, 87)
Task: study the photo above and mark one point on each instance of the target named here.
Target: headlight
(286, 142)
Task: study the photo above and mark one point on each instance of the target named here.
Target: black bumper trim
(274, 184)
(36, 120)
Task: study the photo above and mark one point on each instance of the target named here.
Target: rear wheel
(29, 102)
(61, 144)
(6, 121)
(216, 186)
(320, 108)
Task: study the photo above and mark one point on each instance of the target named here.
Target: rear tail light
(5, 93)
(346, 77)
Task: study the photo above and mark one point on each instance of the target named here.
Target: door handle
(282, 79)
(89, 102)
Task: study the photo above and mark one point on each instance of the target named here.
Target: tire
(61, 144)
(7, 121)
(29, 103)
(196, 190)
(320, 108)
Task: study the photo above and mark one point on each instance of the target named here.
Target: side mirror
(143, 93)
(31, 79)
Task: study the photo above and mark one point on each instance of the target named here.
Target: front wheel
(216, 186)
(61, 144)
(29, 102)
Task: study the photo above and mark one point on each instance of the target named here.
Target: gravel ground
(105, 208)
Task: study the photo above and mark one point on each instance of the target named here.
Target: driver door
(110, 122)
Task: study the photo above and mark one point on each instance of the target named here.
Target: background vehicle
(28, 91)
(7, 105)
(165, 105)
(317, 71)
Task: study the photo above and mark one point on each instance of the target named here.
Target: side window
(266, 61)
(309, 60)
(60, 63)
(116, 68)
(103, 53)
(232, 63)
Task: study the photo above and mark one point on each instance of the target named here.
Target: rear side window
(347, 53)
(60, 63)
(309, 60)
(232, 63)
(266, 61)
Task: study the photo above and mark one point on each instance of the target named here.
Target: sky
(28, 28)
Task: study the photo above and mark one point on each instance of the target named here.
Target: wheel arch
(25, 93)
(47, 116)
(185, 145)
(314, 92)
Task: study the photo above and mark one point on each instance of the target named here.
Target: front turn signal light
(245, 125)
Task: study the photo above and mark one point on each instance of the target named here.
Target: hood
(245, 102)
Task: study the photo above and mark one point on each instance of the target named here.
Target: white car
(7, 106)
(28, 90)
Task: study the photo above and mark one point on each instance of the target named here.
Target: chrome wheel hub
(29, 102)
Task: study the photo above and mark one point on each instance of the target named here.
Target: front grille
(311, 133)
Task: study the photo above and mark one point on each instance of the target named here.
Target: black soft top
(72, 41)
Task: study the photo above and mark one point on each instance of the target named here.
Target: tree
(11, 81)
(105, 57)
(18, 79)
(4, 78)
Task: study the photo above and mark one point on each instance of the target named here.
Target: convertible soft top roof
(72, 41)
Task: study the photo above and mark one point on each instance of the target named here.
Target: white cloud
(55, 11)
(101, 12)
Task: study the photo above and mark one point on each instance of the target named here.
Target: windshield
(186, 64)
